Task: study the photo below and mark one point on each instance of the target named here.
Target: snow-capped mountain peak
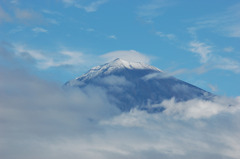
(137, 85)
(120, 63)
(117, 64)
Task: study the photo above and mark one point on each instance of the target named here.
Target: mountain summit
(135, 84)
(115, 66)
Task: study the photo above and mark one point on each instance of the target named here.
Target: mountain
(135, 84)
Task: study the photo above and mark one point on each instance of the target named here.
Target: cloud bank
(39, 120)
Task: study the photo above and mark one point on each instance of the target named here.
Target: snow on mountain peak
(137, 85)
(114, 65)
(120, 63)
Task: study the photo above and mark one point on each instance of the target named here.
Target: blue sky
(45, 43)
(58, 40)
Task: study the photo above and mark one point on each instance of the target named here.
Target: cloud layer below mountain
(39, 120)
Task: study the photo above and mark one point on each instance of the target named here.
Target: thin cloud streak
(90, 7)
(152, 9)
(39, 30)
(211, 61)
(44, 62)
(168, 36)
(226, 23)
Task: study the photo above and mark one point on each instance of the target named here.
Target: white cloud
(152, 9)
(201, 49)
(64, 58)
(22, 51)
(198, 108)
(115, 83)
(51, 12)
(115, 80)
(92, 7)
(89, 7)
(129, 119)
(153, 76)
(226, 23)
(73, 123)
(210, 60)
(39, 30)
(112, 37)
(128, 55)
(75, 58)
(181, 130)
(161, 75)
(44, 61)
(225, 64)
(221, 63)
(169, 36)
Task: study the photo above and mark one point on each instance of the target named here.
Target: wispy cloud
(201, 49)
(74, 58)
(34, 54)
(92, 7)
(163, 35)
(51, 12)
(212, 61)
(116, 82)
(227, 23)
(112, 37)
(39, 30)
(88, 7)
(225, 64)
(45, 61)
(152, 9)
